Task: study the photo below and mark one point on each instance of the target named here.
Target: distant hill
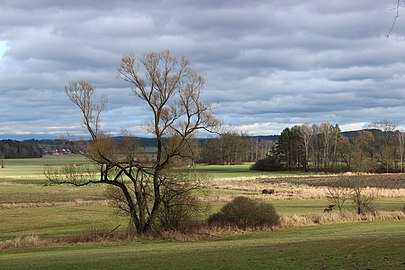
(144, 142)
(377, 133)
(273, 138)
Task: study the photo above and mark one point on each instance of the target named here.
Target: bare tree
(383, 125)
(307, 133)
(171, 90)
(1, 160)
(80, 93)
(395, 18)
(401, 149)
(362, 201)
(386, 145)
(352, 188)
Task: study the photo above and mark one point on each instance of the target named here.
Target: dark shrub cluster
(268, 164)
(243, 213)
(177, 217)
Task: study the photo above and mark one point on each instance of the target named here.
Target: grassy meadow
(371, 245)
(29, 206)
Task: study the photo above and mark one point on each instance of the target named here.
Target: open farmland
(30, 206)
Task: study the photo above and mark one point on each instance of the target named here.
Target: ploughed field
(31, 207)
(387, 181)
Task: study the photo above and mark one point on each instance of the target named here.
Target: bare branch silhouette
(395, 19)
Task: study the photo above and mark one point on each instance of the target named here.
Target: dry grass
(23, 242)
(287, 190)
(201, 232)
(77, 202)
(339, 217)
(86, 236)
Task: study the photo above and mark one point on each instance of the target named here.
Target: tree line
(17, 149)
(231, 148)
(324, 147)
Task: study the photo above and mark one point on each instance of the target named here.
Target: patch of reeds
(24, 242)
(339, 217)
(298, 190)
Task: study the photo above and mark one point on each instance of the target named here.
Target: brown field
(308, 187)
(388, 181)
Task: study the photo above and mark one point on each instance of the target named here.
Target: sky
(267, 64)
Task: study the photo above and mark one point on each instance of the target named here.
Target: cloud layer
(267, 64)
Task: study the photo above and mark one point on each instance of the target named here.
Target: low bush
(243, 212)
(179, 210)
(177, 217)
(267, 164)
(339, 217)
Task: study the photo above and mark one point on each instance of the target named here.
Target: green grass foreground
(364, 245)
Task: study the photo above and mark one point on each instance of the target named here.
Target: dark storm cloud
(267, 64)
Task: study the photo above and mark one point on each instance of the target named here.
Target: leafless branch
(395, 19)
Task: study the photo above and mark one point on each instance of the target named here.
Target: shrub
(268, 164)
(178, 210)
(176, 217)
(243, 213)
(339, 195)
(363, 201)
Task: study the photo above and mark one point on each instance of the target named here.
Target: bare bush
(339, 217)
(338, 195)
(179, 210)
(352, 188)
(362, 198)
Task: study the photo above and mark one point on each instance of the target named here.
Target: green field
(372, 245)
(28, 207)
(31, 170)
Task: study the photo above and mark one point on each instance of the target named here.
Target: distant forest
(16, 149)
(379, 148)
(324, 147)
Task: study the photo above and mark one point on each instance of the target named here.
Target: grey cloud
(267, 64)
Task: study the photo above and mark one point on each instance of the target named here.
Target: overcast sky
(267, 64)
